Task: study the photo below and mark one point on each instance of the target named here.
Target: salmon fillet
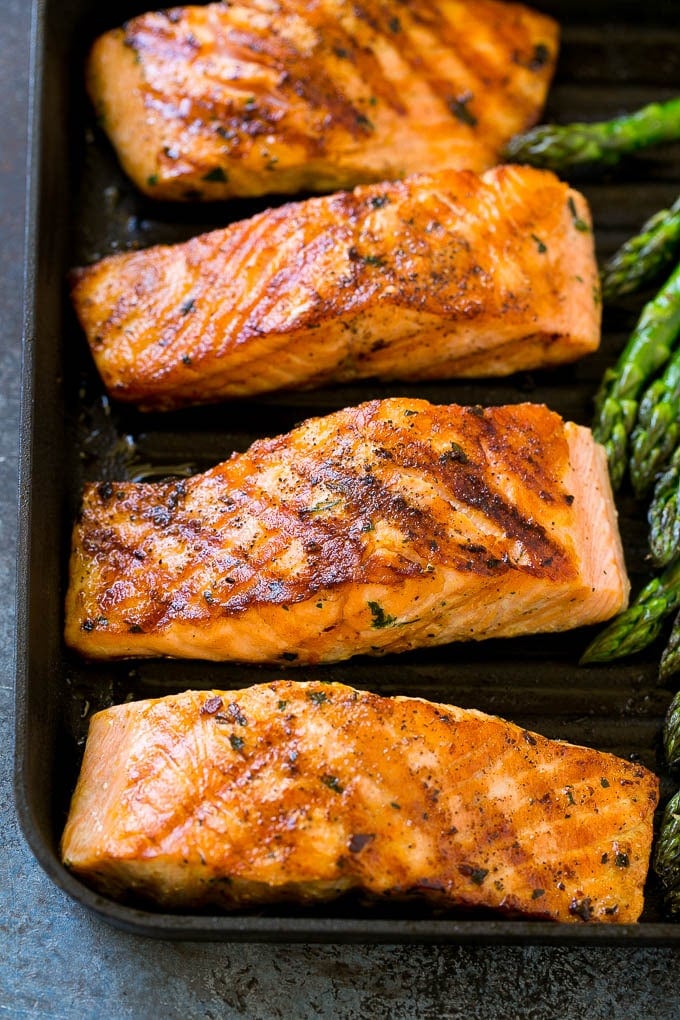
(441, 275)
(251, 98)
(380, 528)
(303, 791)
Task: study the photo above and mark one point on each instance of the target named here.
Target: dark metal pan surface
(616, 55)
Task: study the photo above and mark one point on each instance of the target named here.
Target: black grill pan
(616, 55)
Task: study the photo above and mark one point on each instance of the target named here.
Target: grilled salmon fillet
(303, 791)
(449, 274)
(389, 526)
(251, 98)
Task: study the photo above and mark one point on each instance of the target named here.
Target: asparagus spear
(667, 856)
(670, 657)
(641, 623)
(671, 732)
(643, 258)
(664, 514)
(657, 431)
(558, 147)
(647, 350)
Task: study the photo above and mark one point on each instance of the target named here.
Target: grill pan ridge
(615, 56)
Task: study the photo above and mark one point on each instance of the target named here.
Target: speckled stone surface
(57, 961)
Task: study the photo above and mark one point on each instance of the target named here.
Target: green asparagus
(664, 514)
(670, 657)
(641, 623)
(645, 257)
(657, 431)
(561, 146)
(648, 349)
(671, 732)
(667, 856)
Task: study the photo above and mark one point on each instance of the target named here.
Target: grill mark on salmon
(463, 482)
(299, 791)
(247, 99)
(436, 276)
(385, 527)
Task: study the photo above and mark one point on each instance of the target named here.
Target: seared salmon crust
(392, 525)
(442, 275)
(252, 98)
(303, 791)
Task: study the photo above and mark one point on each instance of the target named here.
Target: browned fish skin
(302, 791)
(441, 275)
(389, 526)
(252, 98)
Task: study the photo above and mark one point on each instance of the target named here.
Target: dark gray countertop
(57, 961)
